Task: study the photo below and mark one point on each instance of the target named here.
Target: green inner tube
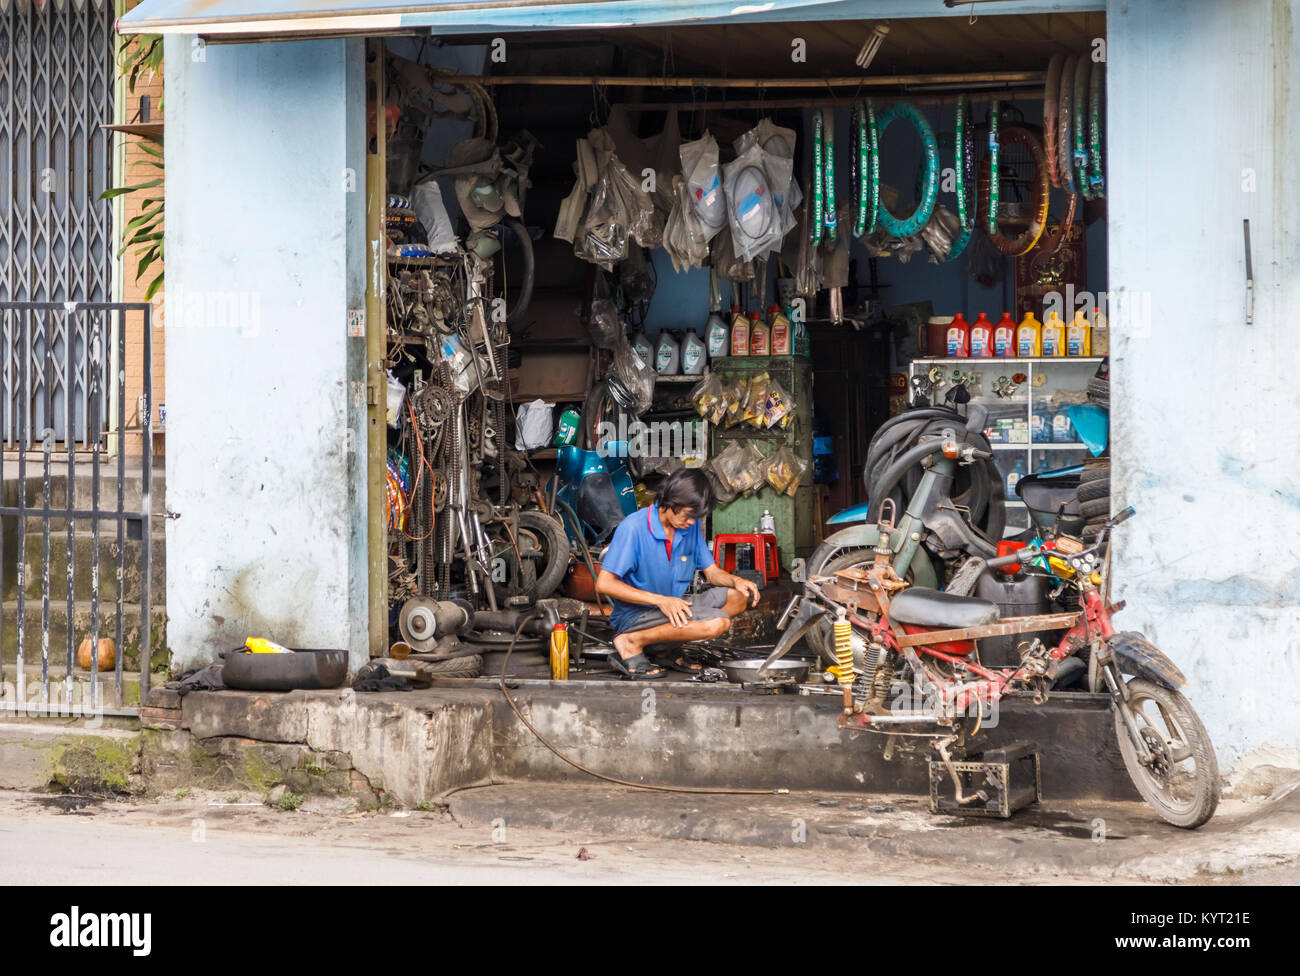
(995, 176)
(906, 227)
(860, 157)
(817, 218)
(963, 155)
(1097, 92)
(828, 177)
(1081, 68)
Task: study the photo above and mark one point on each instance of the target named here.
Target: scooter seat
(924, 607)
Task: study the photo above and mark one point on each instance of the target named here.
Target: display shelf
(1053, 374)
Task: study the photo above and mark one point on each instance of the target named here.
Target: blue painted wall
(264, 252)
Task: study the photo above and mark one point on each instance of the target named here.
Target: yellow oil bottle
(1053, 336)
(1029, 337)
(560, 652)
(1078, 337)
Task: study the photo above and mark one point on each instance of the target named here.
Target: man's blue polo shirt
(638, 556)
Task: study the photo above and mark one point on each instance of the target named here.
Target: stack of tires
(1094, 483)
(1094, 496)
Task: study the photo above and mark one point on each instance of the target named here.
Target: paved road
(208, 839)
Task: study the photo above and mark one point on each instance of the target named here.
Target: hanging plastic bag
(533, 425)
(778, 408)
(737, 400)
(724, 495)
(752, 210)
(777, 144)
(725, 262)
(752, 470)
(784, 469)
(686, 239)
(426, 201)
(756, 400)
(604, 324)
(635, 376)
(706, 394)
(700, 169)
(393, 404)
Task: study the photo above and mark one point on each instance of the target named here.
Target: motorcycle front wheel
(1182, 781)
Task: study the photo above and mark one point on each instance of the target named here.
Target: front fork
(1118, 692)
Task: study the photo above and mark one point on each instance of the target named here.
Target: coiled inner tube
(906, 227)
(1014, 135)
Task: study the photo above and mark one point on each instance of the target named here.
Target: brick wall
(133, 287)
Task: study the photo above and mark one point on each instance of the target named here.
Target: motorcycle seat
(924, 607)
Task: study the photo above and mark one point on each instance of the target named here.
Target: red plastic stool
(767, 561)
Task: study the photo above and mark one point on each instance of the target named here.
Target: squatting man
(651, 561)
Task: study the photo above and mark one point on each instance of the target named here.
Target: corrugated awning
(299, 18)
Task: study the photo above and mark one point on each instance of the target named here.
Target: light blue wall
(1205, 408)
(265, 206)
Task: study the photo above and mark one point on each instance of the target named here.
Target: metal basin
(304, 668)
(780, 673)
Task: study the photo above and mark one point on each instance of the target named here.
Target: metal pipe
(843, 81)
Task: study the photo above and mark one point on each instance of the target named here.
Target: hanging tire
(1092, 490)
(1014, 135)
(1173, 732)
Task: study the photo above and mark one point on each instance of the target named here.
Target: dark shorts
(704, 606)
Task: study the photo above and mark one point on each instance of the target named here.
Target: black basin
(304, 668)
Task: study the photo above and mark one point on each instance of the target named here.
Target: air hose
(963, 167)
(906, 227)
(505, 664)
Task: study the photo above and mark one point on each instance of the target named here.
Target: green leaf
(144, 218)
(151, 255)
(153, 287)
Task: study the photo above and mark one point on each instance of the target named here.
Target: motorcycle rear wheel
(1173, 732)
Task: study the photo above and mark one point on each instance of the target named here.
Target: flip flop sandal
(636, 668)
(679, 664)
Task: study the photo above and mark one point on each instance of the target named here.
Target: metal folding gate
(56, 94)
(92, 327)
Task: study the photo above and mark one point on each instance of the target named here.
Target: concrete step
(58, 632)
(74, 698)
(83, 547)
(83, 484)
(68, 756)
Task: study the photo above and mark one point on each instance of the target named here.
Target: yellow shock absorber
(843, 650)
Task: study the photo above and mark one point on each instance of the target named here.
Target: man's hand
(677, 610)
(749, 588)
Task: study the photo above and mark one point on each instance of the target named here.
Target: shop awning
(299, 18)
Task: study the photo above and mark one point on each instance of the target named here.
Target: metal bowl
(780, 673)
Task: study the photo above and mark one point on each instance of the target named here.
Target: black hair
(690, 489)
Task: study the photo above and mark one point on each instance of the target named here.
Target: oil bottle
(1004, 337)
(1029, 337)
(958, 338)
(1078, 337)
(1053, 336)
(981, 337)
